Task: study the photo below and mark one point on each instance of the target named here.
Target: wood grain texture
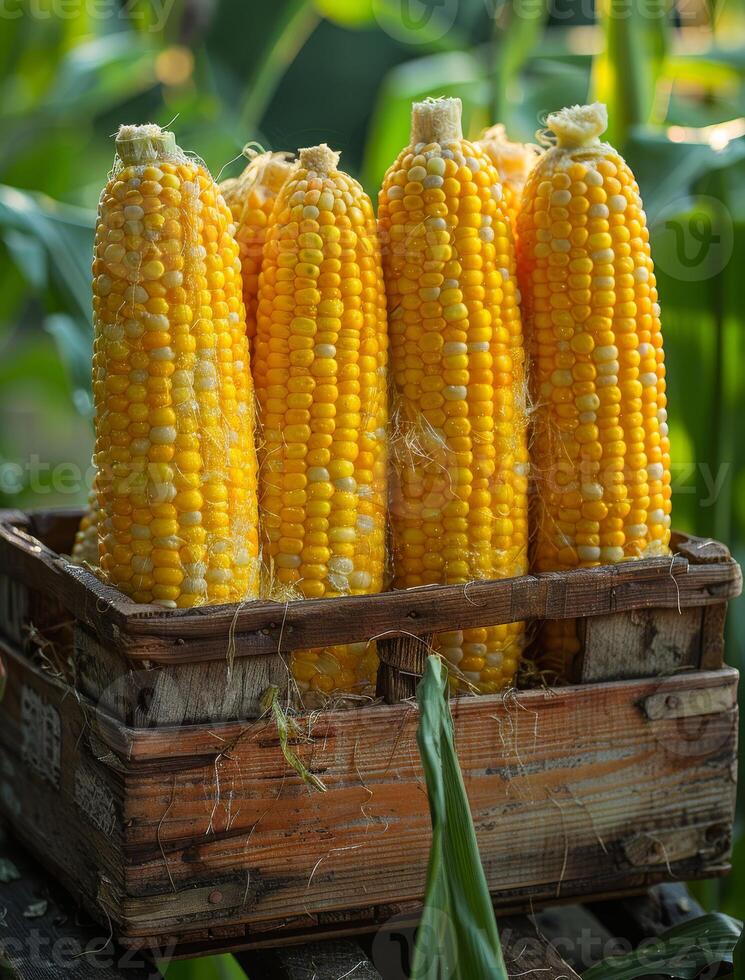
(712, 636)
(402, 662)
(185, 831)
(147, 633)
(144, 694)
(641, 643)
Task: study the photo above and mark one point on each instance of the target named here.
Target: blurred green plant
(683, 952)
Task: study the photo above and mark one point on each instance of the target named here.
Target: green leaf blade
(457, 936)
(680, 953)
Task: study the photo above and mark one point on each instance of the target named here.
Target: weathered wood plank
(641, 643)
(146, 695)
(328, 960)
(402, 662)
(712, 636)
(263, 627)
(594, 789)
(45, 936)
(256, 628)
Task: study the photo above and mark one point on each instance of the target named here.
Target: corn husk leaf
(681, 952)
(287, 729)
(457, 936)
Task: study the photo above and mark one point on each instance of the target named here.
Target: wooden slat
(582, 791)
(146, 695)
(210, 633)
(264, 627)
(190, 742)
(641, 643)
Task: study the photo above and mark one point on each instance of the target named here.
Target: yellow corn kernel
(176, 466)
(319, 366)
(251, 198)
(513, 163)
(459, 503)
(592, 324)
(85, 548)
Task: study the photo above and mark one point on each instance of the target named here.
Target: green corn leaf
(29, 256)
(457, 936)
(738, 958)
(516, 36)
(290, 32)
(626, 72)
(667, 171)
(74, 342)
(681, 952)
(64, 232)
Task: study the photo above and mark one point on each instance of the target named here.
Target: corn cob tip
(276, 171)
(578, 125)
(513, 161)
(320, 159)
(139, 144)
(436, 121)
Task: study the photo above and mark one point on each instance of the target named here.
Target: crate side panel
(54, 790)
(576, 786)
(151, 695)
(641, 643)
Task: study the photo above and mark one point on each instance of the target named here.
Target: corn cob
(601, 450)
(320, 373)
(172, 391)
(513, 163)
(85, 548)
(459, 508)
(250, 198)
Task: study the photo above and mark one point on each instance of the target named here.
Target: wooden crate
(133, 763)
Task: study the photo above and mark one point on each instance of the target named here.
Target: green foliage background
(297, 72)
